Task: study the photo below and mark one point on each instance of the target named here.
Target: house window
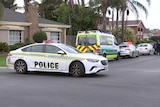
(15, 36)
(139, 31)
(54, 36)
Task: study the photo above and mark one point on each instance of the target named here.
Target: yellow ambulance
(99, 43)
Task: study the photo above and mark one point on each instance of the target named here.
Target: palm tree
(26, 5)
(45, 4)
(9, 4)
(102, 6)
(115, 5)
(133, 5)
(1, 10)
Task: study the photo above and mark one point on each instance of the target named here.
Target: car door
(56, 62)
(36, 57)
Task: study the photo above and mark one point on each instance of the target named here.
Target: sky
(152, 21)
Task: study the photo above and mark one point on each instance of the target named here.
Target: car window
(106, 40)
(35, 48)
(27, 49)
(123, 46)
(69, 49)
(52, 49)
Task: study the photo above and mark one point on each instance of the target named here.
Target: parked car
(127, 49)
(145, 48)
(55, 57)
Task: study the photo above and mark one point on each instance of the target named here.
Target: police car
(55, 57)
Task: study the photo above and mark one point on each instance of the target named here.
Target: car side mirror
(61, 52)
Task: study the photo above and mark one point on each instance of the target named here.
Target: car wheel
(132, 55)
(20, 67)
(150, 52)
(105, 55)
(118, 55)
(138, 54)
(77, 69)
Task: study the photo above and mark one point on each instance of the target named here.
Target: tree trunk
(123, 13)
(83, 5)
(112, 20)
(104, 23)
(117, 18)
(26, 2)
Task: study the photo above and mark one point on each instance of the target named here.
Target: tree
(39, 37)
(133, 5)
(9, 4)
(84, 20)
(26, 5)
(115, 4)
(47, 6)
(130, 36)
(102, 5)
(1, 10)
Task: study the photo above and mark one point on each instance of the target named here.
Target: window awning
(52, 29)
(12, 27)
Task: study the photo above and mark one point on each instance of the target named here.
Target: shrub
(4, 47)
(39, 37)
(129, 35)
(27, 41)
(16, 46)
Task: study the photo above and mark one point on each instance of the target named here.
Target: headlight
(92, 60)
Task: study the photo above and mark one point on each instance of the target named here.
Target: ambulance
(98, 43)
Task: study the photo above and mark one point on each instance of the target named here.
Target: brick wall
(32, 16)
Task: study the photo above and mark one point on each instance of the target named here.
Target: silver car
(145, 48)
(128, 50)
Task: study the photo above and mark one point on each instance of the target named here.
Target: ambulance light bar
(89, 31)
(51, 41)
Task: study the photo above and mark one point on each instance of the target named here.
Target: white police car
(55, 57)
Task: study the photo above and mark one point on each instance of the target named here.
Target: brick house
(136, 25)
(16, 27)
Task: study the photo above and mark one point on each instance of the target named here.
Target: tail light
(96, 51)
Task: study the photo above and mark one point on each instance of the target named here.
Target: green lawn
(2, 61)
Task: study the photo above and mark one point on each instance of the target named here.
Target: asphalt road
(131, 82)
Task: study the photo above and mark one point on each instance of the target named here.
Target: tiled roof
(13, 16)
(129, 22)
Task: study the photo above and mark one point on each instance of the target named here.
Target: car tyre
(118, 56)
(20, 67)
(77, 69)
(105, 55)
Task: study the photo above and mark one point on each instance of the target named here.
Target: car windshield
(69, 49)
(87, 40)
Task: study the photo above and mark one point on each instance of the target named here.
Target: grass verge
(2, 61)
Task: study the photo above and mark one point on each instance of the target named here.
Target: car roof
(55, 44)
(125, 44)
